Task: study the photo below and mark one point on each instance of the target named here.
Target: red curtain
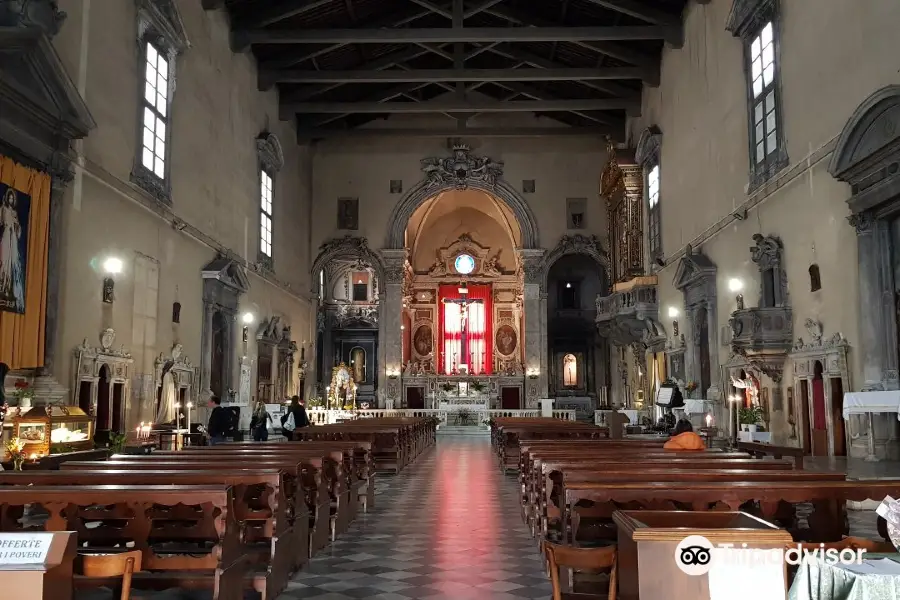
(479, 325)
(480, 330)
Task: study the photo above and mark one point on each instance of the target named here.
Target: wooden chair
(122, 565)
(593, 560)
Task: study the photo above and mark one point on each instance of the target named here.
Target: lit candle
(190, 405)
(708, 420)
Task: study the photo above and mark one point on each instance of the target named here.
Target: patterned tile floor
(448, 527)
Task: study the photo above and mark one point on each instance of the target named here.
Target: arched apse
(442, 219)
(347, 249)
(579, 245)
(462, 171)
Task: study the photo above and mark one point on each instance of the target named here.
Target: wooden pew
(139, 514)
(260, 508)
(309, 475)
(361, 465)
(762, 450)
(827, 523)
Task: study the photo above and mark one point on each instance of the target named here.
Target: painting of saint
(348, 214)
(15, 207)
(506, 340)
(422, 340)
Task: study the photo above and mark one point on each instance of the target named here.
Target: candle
(178, 415)
(708, 420)
(190, 405)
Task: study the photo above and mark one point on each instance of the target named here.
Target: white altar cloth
(856, 403)
(456, 407)
(693, 407)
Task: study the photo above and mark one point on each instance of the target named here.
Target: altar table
(878, 578)
(871, 402)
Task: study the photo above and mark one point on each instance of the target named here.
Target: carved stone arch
(648, 145)
(347, 248)
(868, 151)
(583, 245)
(462, 170)
(270, 152)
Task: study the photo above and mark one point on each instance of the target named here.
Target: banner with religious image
(15, 211)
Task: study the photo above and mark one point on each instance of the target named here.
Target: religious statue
(492, 267)
(167, 395)
(748, 384)
(439, 268)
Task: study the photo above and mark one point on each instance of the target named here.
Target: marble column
(390, 340)
(532, 261)
(206, 352)
(58, 183)
(870, 321)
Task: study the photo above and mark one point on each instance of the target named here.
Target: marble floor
(448, 527)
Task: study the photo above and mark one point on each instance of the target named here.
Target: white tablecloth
(871, 402)
(693, 407)
(763, 437)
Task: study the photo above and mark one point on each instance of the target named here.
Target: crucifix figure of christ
(464, 342)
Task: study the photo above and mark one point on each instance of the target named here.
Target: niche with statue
(103, 382)
(175, 384)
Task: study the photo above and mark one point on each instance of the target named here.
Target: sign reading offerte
(24, 548)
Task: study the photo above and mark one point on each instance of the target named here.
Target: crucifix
(464, 304)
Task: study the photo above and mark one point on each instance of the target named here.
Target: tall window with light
(756, 23)
(155, 117)
(265, 217)
(653, 207)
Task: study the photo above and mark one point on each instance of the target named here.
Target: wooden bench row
(226, 518)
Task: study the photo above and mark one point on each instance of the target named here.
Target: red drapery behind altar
(480, 328)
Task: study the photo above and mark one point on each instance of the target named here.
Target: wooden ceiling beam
(455, 106)
(599, 132)
(437, 75)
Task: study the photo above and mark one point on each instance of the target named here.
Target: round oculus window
(464, 264)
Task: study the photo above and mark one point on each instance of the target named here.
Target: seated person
(684, 438)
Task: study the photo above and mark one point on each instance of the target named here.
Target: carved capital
(42, 14)
(269, 151)
(863, 222)
(532, 266)
(395, 262)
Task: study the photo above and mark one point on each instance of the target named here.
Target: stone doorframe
(867, 156)
(832, 353)
(463, 170)
(695, 277)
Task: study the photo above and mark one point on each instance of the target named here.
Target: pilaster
(871, 322)
(390, 340)
(532, 264)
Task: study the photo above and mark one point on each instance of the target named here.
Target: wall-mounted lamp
(673, 312)
(739, 300)
(533, 373)
(247, 318)
(112, 266)
(393, 373)
(675, 327)
(568, 286)
(735, 285)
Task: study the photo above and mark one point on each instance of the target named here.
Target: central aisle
(448, 527)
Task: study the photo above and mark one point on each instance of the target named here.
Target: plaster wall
(562, 168)
(216, 115)
(832, 58)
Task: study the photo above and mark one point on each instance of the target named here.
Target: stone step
(462, 430)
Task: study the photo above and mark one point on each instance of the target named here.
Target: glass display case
(51, 429)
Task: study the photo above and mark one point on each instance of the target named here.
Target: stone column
(532, 261)
(390, 340)
(206, 352)
(870, 321)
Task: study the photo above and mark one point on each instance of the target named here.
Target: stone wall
(216, 116)
(831, 59)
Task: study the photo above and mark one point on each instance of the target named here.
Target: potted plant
(749, 417)
(15, 449)
(447, 387)
(477, 386)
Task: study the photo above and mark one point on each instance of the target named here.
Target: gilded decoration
(621, 187)
(486, 263)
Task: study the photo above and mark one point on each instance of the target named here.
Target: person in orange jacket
(684, 438)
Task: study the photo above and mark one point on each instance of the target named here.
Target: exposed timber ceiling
(339, 64)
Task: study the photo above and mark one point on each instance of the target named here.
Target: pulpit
(648, 542)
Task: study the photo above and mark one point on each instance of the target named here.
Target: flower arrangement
(477, 386)
(16, 450)
(23, 391)
(447, 386)
(690, 387)
(750, 415)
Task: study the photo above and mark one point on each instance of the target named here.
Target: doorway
(103, 404)
(805, 424)
(702, 322)
(118, 407)
(837, 416)
(510, 398)
(415, 398)
(819, 425)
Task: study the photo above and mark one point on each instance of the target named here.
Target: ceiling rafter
(246, 37)
(455, 75)
(599, 133)
(639, 11)
(285, 9)
(469, 106)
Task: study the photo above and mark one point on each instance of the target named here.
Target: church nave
(447, 527)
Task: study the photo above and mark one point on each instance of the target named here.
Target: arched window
(570, 370)
(815, 279)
